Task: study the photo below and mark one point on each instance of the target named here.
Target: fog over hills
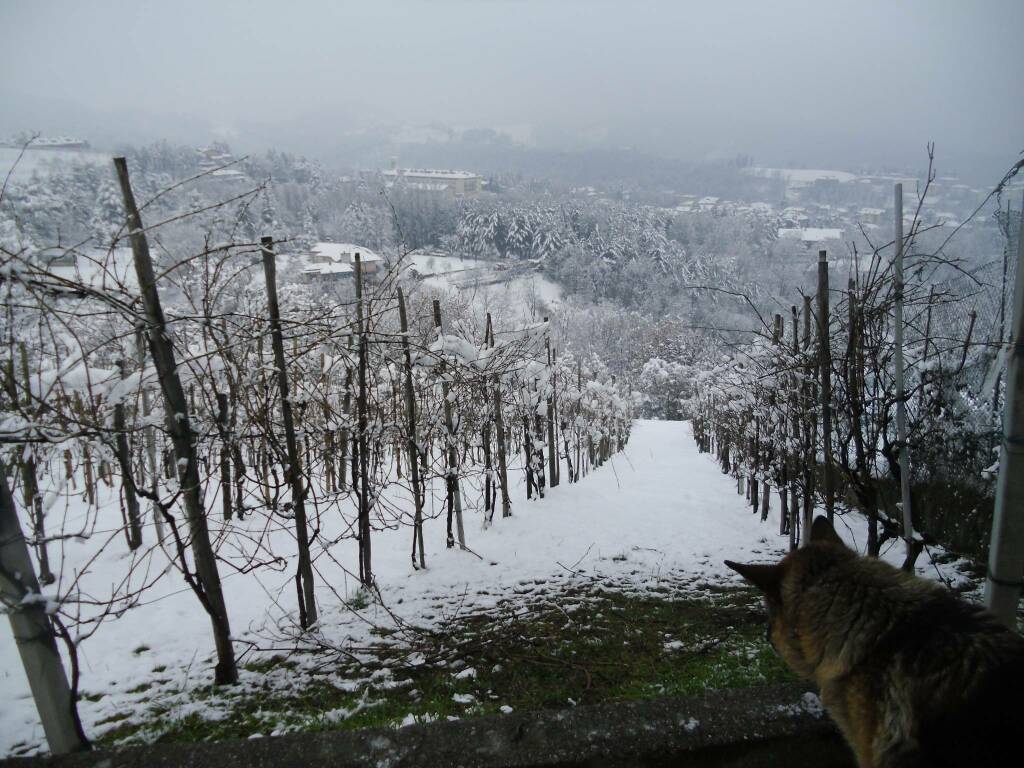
(791, 83)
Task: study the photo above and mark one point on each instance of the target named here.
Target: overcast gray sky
(808, 81)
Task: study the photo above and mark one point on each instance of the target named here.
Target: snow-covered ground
(518, 301)
(660, 507)
(428, 264)
(512, 292)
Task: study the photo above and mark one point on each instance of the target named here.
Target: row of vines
(807, 411)
(202, 414)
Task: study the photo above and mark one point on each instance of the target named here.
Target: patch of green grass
(582, 645)
(265, 665)
(360, 600)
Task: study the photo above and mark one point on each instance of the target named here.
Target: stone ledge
(748, 728)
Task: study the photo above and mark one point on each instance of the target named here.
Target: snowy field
(511, 297)
(429, 264)
(658, 508)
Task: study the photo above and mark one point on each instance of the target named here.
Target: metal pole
(1006, 554)
(901, 405)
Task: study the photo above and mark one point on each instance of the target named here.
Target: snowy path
(660, 504)
(659, 508)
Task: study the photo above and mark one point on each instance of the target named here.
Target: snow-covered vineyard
(657, 510)
(241, 468)
(227, 482)
(255, 434)
(493, 384)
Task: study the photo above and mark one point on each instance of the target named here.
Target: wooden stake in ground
(485, 439)
(30, 484)
(579, 408)
(224, 430)
(451, 467)
(810, 426)
(346, 411)
(794, 484)
(499, 428)
(552, 394)
(150, 437)
(825, 385)
(778, 338)
(131, 501)
(33, 633)
(562, 425)
(901, 396)
(208, 588)
(412, 444)
(365, 560)
(307, 608)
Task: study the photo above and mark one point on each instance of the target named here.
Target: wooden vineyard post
(825, 385)
(901, 396)
(499, 427)
(33, 633)
(412, 444)
(365, 560)
(783, 480)
(224, 431)
(330, 474)
(810, 426)
(182, 436)
(551, 405)
(579, 409)
(538, 445)
(346, 410)
(237, 459)
(131, 500)
(490, 492)
(562, 425)
(795, 405)
(755, 452)
(451, 464)
(528, 451)
(30, 483)
(150, 436)
(500, 437)
(307, 606)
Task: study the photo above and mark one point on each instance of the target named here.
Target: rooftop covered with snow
(431, 173)
(344, 252)
(810, 234)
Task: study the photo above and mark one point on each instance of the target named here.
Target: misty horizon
(799, 84)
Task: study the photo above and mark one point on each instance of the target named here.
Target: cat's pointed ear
(767, 578)
(822, 531)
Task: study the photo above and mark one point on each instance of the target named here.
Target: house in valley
(458, 183)
(334, 262)
(873, 216)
